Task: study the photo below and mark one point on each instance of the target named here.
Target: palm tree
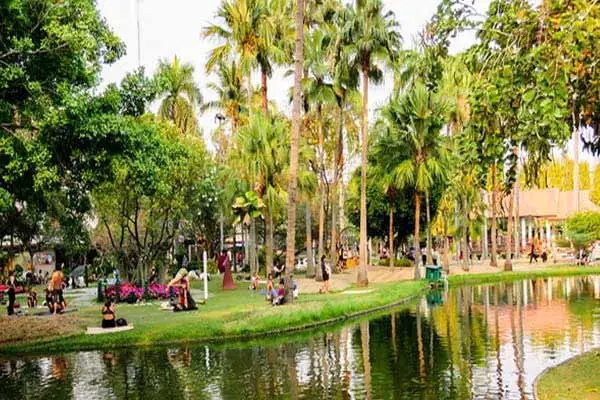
(414, 121)
(262, 151)
(180, 94)
(371, 38)
(231, 99)
(258, 33)
(296, 125)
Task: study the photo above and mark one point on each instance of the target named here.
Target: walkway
(386, 274)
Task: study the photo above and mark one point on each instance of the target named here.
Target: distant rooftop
(548, 203)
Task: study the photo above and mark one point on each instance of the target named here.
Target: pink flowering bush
(155, 291)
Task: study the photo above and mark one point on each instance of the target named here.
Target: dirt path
(386, 274)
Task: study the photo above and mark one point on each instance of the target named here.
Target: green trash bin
(433, 273)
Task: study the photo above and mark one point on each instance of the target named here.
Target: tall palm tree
(231, 99)
(262, 150)
(372, 37)
(294, 149)
(258, 33)
(414, 120)
(180, 94)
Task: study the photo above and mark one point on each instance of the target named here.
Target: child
(254, 282)
(280, 298)
(32, 300)
(271, 292)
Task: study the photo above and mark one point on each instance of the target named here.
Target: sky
(169, 28)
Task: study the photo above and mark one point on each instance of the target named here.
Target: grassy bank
(556, 271)
(227, 316)
(578, 378)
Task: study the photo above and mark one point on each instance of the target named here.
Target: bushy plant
(131, 293)
(402, 262)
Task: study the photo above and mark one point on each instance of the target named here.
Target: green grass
(239, 314)
(577, 379)
(226, 316)
(556, 271)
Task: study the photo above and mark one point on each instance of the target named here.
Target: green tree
(372, 37)
(256, 33)
(262, 148)
(180, 95)
(231, 100)
(595, 195)
(414, 120)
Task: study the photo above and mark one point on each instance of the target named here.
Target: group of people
(537, 250)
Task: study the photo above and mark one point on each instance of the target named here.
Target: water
(482, 342)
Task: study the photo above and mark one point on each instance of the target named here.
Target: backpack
(121, 322)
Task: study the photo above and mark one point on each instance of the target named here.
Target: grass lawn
(227, 315)
(577, 379)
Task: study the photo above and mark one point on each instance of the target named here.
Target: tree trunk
(365, 345)
(362, 279)
(509, 223)
(296, 121)
(391, 233)
(446, 262)
(268, 241)
(333, 254)
(467, 252)
(494, 254)
(321, 250)
(310, 261)
(417, 274)
(252, 262)
(263, 92)
(429, 251)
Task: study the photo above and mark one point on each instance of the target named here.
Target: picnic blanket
(93, 330)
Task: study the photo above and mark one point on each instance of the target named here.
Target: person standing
(326, 272)
(12, 293)
(56, 282)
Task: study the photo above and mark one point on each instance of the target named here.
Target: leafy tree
(231, 100)
(180, 94)
(417, 155)
(262, 150)
(372, 37)
(595, 195)
(256, 33)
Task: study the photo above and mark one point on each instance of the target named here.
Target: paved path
(386, 274)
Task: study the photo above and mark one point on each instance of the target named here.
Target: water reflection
(471, 342)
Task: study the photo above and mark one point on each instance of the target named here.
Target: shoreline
(561, 366)
(319, 311)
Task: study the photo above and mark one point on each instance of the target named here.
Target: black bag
(121, 322)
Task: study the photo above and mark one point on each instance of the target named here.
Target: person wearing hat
(181, 281)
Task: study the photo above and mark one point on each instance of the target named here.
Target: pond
(471, 342)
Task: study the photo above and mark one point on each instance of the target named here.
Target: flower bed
(130, 291)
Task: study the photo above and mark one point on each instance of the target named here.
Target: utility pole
(139, 46)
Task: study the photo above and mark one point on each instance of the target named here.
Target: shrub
(132, 293)
(587, 223)
(402, 262)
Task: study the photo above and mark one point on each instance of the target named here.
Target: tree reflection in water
(482, 342)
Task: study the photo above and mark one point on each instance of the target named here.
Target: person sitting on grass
(32, 300)
(108, 315)
(180, 281)
(279, 299)
(254, 282)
